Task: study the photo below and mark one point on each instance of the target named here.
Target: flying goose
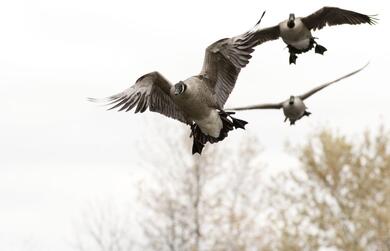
(197, 101)
(294, 108)
(296, 32)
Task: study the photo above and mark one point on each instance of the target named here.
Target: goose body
(294, 108)
(211, 124)
(298, 36)
(296, 32)
(197, 101)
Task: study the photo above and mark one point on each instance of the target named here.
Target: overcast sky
(58, 152)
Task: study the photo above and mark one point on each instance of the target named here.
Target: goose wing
(225, 58)
(150, 91)
(335, 16)
(266, 34)
(318, 88)
(260, 106)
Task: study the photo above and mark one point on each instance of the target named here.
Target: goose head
(290, 22)
(180, 88)
(291, 100)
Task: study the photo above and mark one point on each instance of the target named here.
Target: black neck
(291, 22)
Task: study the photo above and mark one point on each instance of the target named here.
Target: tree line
(337, 198)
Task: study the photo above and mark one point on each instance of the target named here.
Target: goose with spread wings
(294, 108)
(296, 32)
(197, 101)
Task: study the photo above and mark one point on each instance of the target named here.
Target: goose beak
(291, 17)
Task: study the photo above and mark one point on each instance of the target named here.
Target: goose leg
(199, 140)
(292, 122)
(293, 58)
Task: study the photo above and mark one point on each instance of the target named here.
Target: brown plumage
(197, 101)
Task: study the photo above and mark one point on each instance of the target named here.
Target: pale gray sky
(58, 152)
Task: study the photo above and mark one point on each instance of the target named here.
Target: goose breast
(298, 35)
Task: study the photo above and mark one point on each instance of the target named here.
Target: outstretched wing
(261, 106)
(151, 90)
(335, 16)
(318, 88)
(266, 34)
(225, 58)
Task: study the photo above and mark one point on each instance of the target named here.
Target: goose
(296, 31)
(197, 101)
(294, 108)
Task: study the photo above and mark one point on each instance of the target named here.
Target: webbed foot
(320, 49)
(197, 147)
(238, 123)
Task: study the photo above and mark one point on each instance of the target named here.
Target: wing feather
(336, 16)
(225, 58)
(260, 106)
(320, 87)
(151, 91)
